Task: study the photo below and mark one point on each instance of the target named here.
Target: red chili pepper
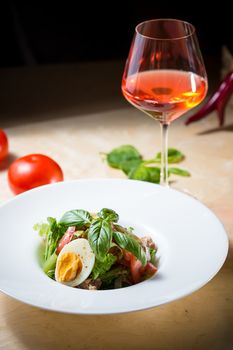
(218, 101)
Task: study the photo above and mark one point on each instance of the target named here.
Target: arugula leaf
(178, 171)
(109, 214)
(144, 173)
(120, 155)
(100, 237)
(78, 218)
(174, 156)
(129, 243)
(101, 267)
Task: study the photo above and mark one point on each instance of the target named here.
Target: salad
(92, 251)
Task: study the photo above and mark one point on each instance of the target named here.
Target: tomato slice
(139, 272)
(136, 269)
(66, 238)
(149, 270)
(127, 256)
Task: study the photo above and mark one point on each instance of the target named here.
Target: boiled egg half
(74, 262)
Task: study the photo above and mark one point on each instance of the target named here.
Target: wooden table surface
(72, 113)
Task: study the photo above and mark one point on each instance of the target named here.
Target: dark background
(50, 32)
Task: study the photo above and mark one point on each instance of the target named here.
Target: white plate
(191, 240)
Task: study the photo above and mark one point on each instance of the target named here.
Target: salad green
(93, 251)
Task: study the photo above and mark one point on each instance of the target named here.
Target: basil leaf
(144, 173)
(129, 243)
(121, 155)
(128, 231)
(154, 173)
(174, 156)
(101, 267)
(109, 214)
(76, 218)
(127, 166)
(100, 237)
(139, 173)
(178, 171)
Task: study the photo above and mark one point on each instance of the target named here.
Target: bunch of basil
(128, 159)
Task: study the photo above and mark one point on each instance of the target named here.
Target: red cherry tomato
(3, 145)
(32, 171)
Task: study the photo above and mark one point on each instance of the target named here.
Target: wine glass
(164, 74)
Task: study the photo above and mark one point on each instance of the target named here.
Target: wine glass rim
(193, 30)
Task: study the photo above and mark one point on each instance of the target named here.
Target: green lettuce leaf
(101, 267)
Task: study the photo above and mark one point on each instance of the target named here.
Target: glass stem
(164, 149)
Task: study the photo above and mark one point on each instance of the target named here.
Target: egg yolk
(69, 265)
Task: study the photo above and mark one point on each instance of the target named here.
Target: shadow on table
(200, 321)
(32, 94)
(219, 129)
(7, 162)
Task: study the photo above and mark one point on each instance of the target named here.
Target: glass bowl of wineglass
(164, 74)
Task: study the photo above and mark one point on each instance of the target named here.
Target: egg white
(81, 247)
